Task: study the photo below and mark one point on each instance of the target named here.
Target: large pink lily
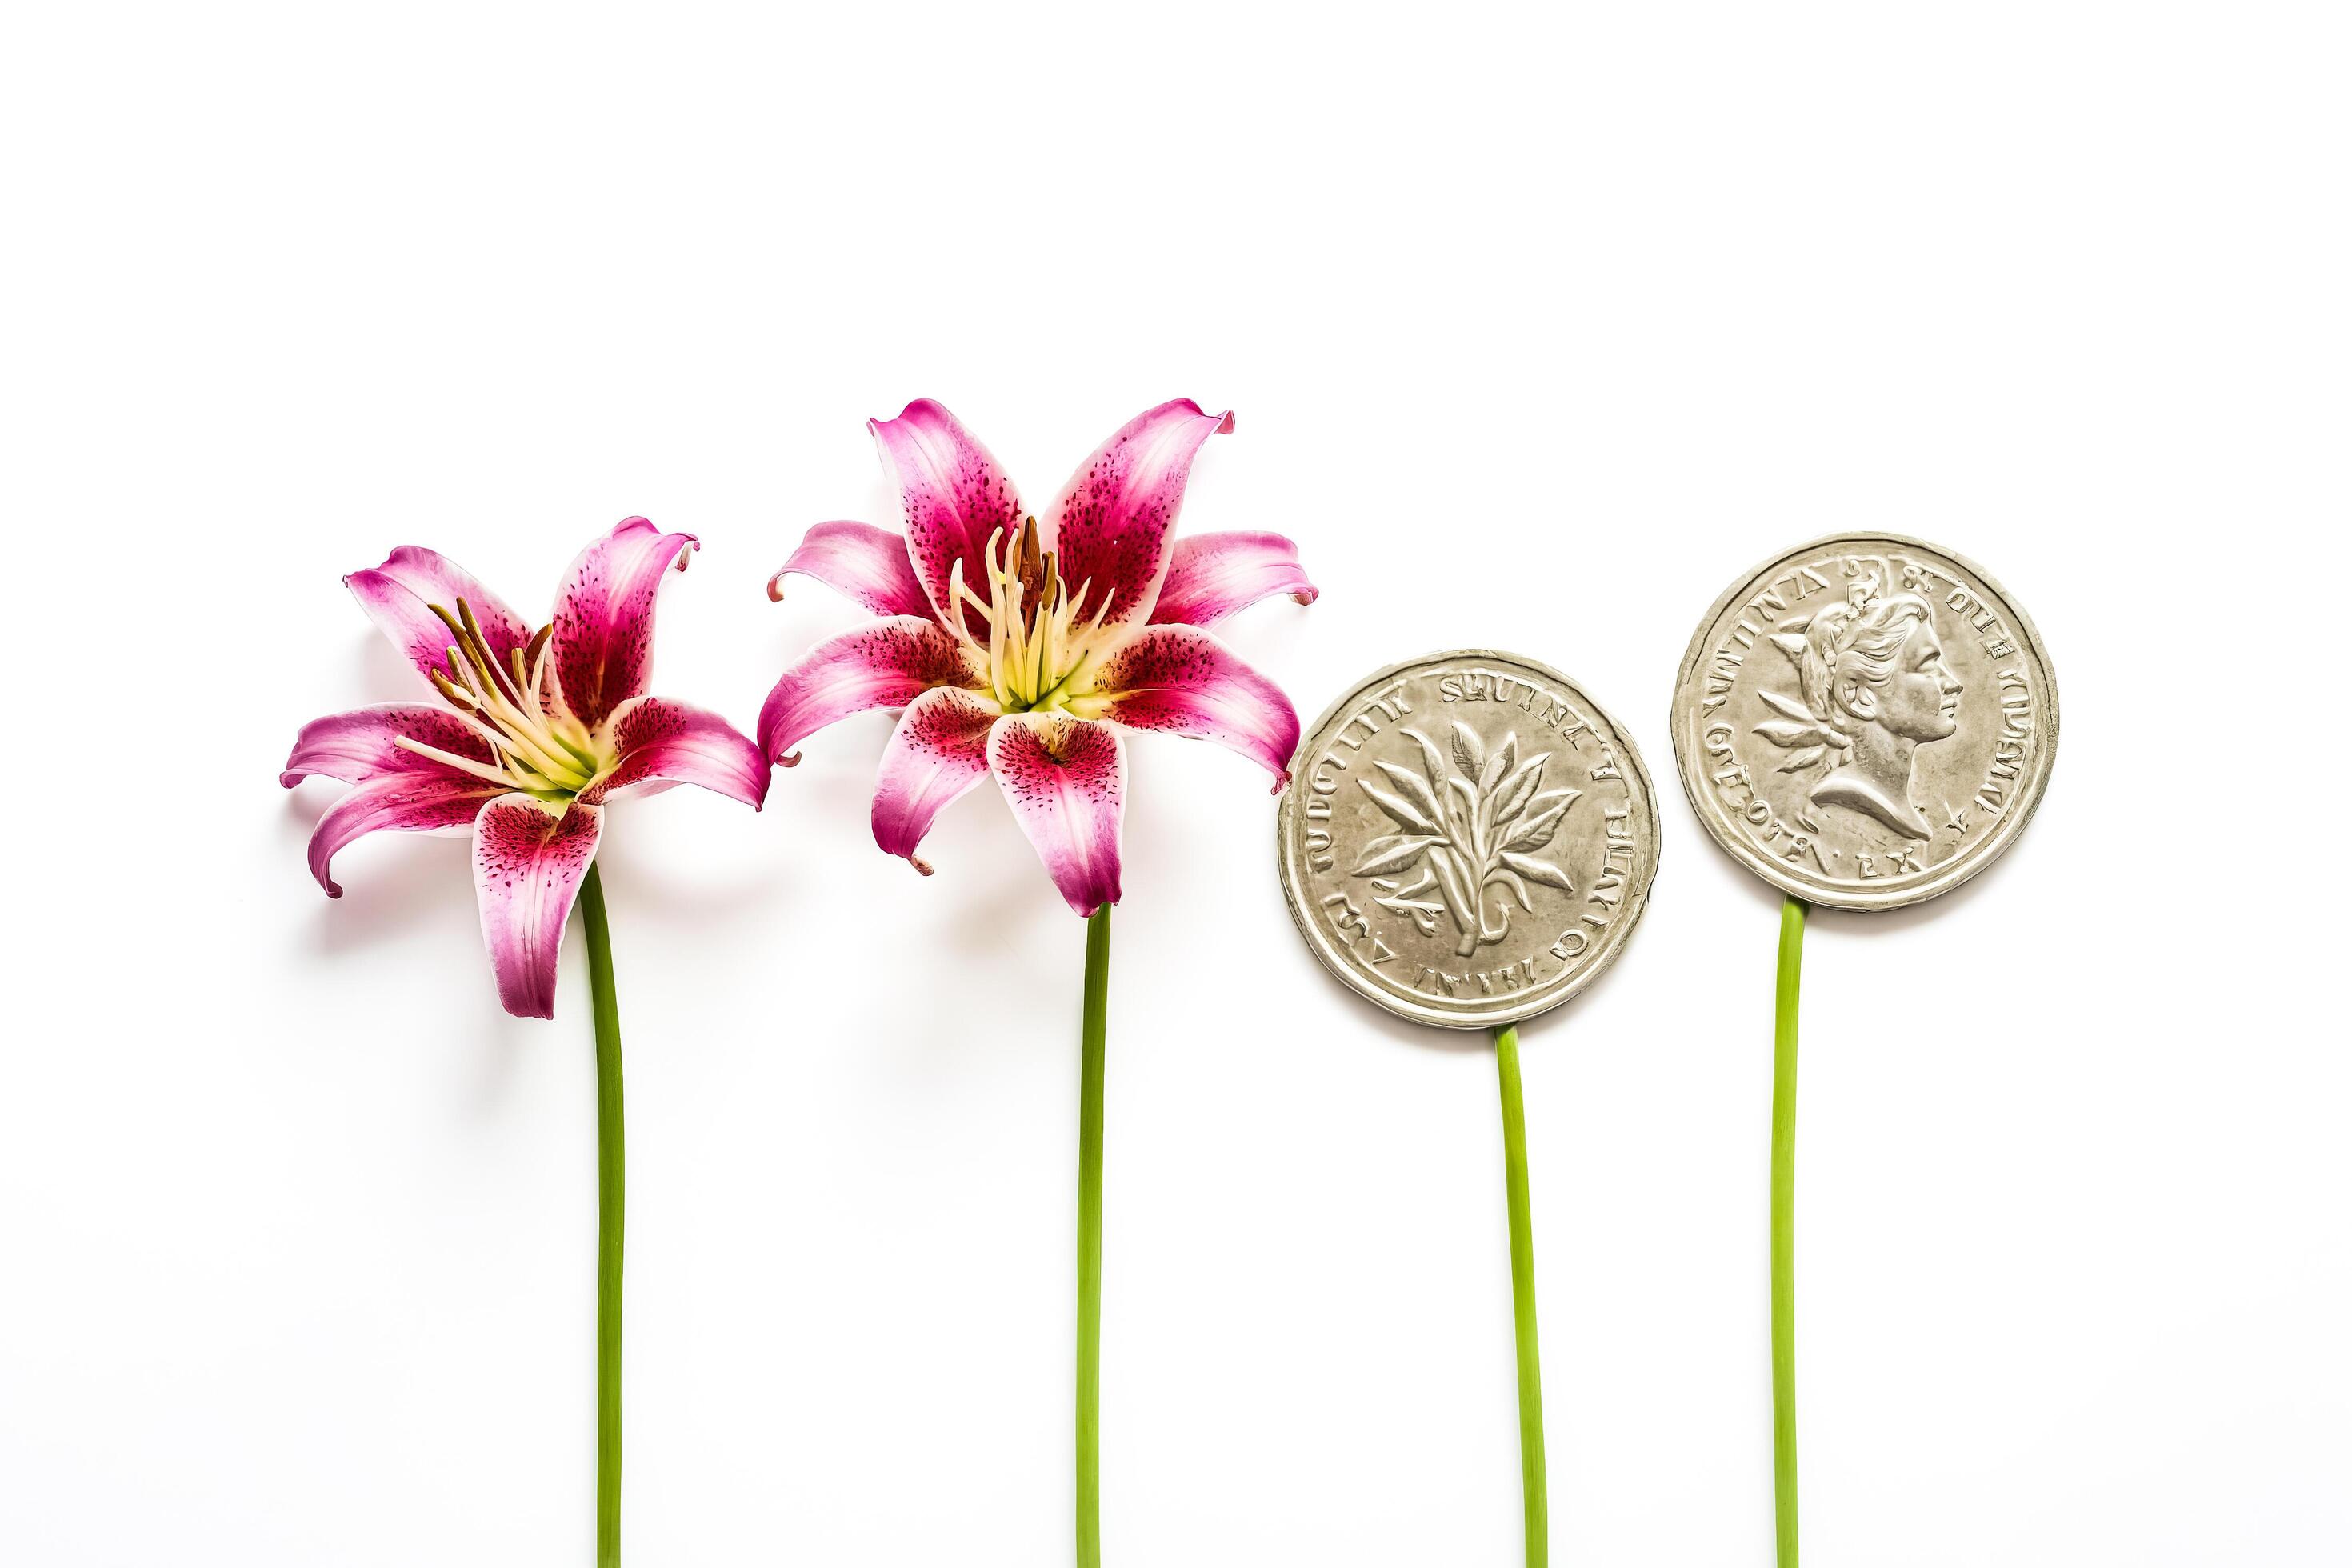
(1019, 647)
(534, 732)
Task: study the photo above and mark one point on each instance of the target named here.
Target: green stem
(1523, 1300)
(1784, 1232)
(1090, 1165)
(609, 1162)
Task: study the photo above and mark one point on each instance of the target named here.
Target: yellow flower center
(536, 745)
(1039, 653)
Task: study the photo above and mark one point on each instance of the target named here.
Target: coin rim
(1503, 1017)
(1952, 873)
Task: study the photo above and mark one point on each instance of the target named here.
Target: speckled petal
(1066, 781)
(1211, 575)
(954, 494)
(396, 593)
(604, 642)
(936, 753)
(659, 741)
(529, 859)
(1180, 680)
(861, 562)
(885, 664)
(358, 746)
(1112, 523)
(420, 802)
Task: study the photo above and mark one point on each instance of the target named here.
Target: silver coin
(1865, 721)
(1467, 838)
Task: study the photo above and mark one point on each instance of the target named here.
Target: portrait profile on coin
(1865, 721)
(1872, 688)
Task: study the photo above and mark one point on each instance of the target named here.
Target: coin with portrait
(1865, 721)
(1467, 839)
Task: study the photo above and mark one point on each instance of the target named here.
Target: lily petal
(397, 594)
(936, 753)
(1112, 523)
(529, 859)
(1065, 780)
(659, 741)
(1184, 681)
(861, 562)
(955, 497)
(1211, 575)
(887, 664)
(603, 640)
(404, 802)
(358, 746)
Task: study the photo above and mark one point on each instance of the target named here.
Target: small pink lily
(1019, 648)
(536, 733)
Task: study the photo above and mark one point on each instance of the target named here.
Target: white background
(1541, 326)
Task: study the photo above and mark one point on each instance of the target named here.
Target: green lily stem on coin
(1523, 1300)
(1784, 1230)
(1090, 1166)
(609, 1169)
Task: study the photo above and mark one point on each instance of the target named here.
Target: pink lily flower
(535, 731)
(1019, 648)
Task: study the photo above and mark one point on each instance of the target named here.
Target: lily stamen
(507, 704)
(479, 645)
(469, 657)
(1037, 646)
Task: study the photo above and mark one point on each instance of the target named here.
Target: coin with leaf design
(1467, 839)
(1865, 721)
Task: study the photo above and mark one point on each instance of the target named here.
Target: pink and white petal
(1112, 523)
(1065, 780)
(396, 596)
(1211, 575)
(885, 664)
(358, 746)
(529, 859)
(402, 803)
(657, 741)
(1180, 680)
(603, 641)
(936, 753)
(861, 562)
(955, 497)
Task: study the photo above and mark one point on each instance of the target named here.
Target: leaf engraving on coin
(1464, 832)
(1467, 838)
(1865, 721)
